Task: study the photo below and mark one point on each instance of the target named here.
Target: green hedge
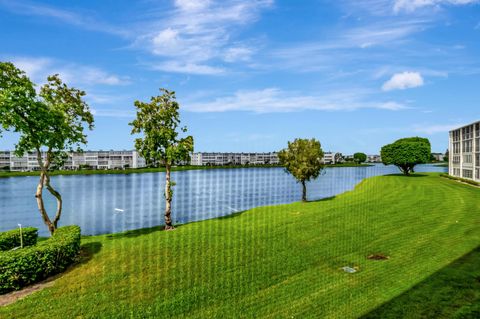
(464, 180)
(21, 267)
(11, 239)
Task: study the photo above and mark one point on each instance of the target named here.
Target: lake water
(113, 203)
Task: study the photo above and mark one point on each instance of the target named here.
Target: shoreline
(129, 171)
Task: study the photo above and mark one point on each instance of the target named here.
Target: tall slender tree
(159, 121)
(303, 159)
(49, 123)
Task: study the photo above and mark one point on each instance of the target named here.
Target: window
(467, 173)
(467, 146)
(456, 172)
(477, 173)
(456, 148)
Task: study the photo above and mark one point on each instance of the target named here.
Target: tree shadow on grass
(325, 199)
(409, 176)
(87, 251)
(232, 215)
(136, 232)
(451, 292)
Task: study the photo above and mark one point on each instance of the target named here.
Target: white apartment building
(218, 159)
(438, 156)
(374, 159)
(332, 157)
(87, 159)
(464, 154)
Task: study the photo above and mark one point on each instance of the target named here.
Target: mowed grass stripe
(277, 261)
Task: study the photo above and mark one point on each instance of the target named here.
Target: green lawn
(4, 174)
(284, 261)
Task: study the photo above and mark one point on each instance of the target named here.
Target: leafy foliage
(405, 153)
(11, 239)
(360, 157)
(52, 120)
(159, 121)
(22, 267)
(446, 158)
(303, 159)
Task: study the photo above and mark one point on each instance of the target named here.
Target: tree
(303, 159)
(49, 123)
(406, 153)
(360, 157)
(159, 121)
(446, 157)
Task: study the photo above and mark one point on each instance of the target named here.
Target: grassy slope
(4, 174)
(452, 292)
(271, 262)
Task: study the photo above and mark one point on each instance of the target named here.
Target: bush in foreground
(11, 239)
(22, 267)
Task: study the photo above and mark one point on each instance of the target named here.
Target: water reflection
(113, 203)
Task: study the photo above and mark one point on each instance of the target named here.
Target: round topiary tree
(405, 153)
(360, 157)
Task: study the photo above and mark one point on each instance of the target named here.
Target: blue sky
(252, 74)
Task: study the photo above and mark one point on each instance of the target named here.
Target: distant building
(464, 152)
(438, 156)
(220, 159)
(332, 158)
(374, 159)
(87, 159)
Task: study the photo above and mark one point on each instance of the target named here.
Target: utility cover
(350, 270)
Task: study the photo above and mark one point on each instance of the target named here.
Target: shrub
(22, 267)
(463, 180)
(11, 239)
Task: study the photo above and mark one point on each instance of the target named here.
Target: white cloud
(192, 5)
(404, 80)
(271, 100)
(392, 106)
(73, 18)
(198, 33)
(38, 69)
(412, 5)
(113, 113)
(235, 54)
(347, 47)
(188, 68)
(34, 67)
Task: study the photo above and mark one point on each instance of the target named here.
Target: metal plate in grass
(349, 270)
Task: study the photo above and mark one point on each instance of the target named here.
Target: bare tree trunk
(168, 199)
(39, 192)
(59, 201)
(304, 191)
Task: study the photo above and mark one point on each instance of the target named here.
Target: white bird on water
(119, 210)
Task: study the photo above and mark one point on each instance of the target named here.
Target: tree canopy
(303, 159)
(159, 121)
(406, 153)
(360, 157)
(51, 121)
